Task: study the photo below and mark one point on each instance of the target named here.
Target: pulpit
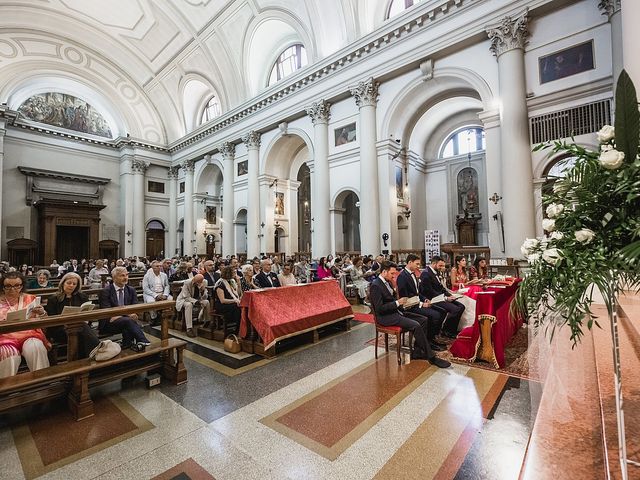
(466, 224)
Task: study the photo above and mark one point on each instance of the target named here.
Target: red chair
(392, 330)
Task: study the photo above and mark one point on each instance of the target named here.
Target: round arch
(258, 59)
(548, 161)
(419, 96)
(286, 145)
(192, 107)
(207, 173)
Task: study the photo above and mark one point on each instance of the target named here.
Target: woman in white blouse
(286, 277)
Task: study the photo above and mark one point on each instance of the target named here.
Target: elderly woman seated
(30, 344)
(246, 282)
(41, 281)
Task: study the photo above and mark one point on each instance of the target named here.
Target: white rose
(554, 209)
(584, 236)
(533, 258)
(552, 256)
(548, 224)
(611, 159)
(557, 235)
(606, 133)
(544, 242)
(605, 147)
(528, 246)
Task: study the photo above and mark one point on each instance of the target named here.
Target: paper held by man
(412, 302)
(442, 297)
(24, 313)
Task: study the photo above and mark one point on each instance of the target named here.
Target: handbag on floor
(232, 344)
(105, 350)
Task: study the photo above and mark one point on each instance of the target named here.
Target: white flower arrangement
(593, 221)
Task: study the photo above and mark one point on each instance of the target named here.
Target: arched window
(399, 6)
(463, 141)
(211, 110)
(292, 59)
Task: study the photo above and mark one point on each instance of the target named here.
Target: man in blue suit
(117, 294)
(408, 286)
(389, 312)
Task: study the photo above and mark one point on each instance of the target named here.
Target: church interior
(303, 134)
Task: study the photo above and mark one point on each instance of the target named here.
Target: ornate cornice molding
(228, 150)
(609, 7)
(394, 30)
(252, 139)
(319, 111)
(139, 167)
(366, 93)
(173, 171)
(38, 172)
(510, 34)
(189, 166)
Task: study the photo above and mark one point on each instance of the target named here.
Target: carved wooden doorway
(155, 239)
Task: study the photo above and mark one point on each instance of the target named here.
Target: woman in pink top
(323, 270)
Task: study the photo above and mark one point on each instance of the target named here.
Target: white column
(507, 43)
(189, 241)
(126, 202)
(491, 122)
(252, 141)
(3, 131)
(265, 213)
(320, 113)
(228, 151)
(538, 183)
(611, 8)
(138, 168)
(172, 238)
(366, 95)
(631, 40)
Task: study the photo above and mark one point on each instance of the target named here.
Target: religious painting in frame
(210, 214)
(399, 189)
(567, 62)
(278, 208)
(243, 167)
(345, 134)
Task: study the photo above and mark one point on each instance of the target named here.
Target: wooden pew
(75, 377)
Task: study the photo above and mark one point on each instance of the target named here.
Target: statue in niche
(468, 191)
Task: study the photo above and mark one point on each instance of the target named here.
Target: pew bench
(75, 377)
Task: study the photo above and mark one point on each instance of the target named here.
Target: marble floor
(322, 411)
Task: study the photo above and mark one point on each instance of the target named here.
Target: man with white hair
(266, 278)
(118, 294)
(193, 291)
(155, 286)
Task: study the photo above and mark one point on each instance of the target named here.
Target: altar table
(492, 312)
(278, 313)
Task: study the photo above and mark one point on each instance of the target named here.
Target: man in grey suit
(193, 291)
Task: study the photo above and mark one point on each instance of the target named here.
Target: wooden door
(155, 243)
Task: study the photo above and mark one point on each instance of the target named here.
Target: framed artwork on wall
(210, 213)
(399, 189)
(278, 208)
(567, 62)
(345, 134)
(243, 167)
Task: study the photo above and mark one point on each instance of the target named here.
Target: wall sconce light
(276, 225)
(406, 212)
(260, 235)
(495, 198)
(128, 234)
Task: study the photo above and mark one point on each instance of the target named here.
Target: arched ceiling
(150, 45)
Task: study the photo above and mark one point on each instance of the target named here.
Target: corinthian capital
(189, 165)
(319, 112)
(252, 139)
(509, 34)
(138, 166)
(609, 7)
(366, 93)
(228, 150)
(173, 172)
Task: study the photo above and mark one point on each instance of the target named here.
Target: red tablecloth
(496, 302)
(277, 313)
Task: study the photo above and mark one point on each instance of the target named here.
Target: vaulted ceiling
(136, 58)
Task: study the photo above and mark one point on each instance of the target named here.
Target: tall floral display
(592, 217)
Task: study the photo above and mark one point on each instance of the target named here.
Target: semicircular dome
(65, 111)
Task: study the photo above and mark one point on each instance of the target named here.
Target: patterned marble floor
(325, 411)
